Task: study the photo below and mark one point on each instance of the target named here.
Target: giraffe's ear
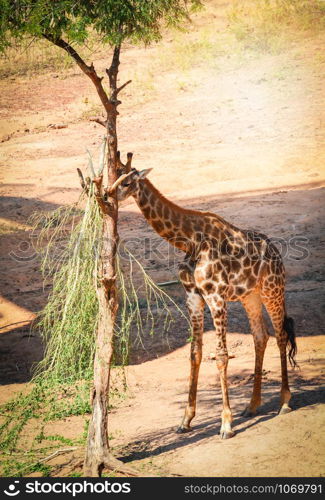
(143, 173)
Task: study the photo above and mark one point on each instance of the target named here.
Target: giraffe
(222, 263)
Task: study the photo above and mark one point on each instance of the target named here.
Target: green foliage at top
(114, 20)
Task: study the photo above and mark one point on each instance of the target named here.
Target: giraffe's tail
(289, 328)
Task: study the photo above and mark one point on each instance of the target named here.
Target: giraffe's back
(234, 262)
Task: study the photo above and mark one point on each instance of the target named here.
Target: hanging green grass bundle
(68, 242)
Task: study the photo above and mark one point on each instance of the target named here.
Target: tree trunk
(97, 451)
(97, 455)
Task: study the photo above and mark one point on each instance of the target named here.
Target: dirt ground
(241, 135)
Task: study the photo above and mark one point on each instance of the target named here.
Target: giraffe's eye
(127, 184)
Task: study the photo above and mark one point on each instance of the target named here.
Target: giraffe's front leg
(195, 305)
(218, 310)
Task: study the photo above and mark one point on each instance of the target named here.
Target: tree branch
(99, 120)
(118, 90)
(58, 452)
(82, 180)
(112, 71)
(104, 205)
(88, 70)
(85, 183)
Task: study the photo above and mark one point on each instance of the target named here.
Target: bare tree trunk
(97, 455)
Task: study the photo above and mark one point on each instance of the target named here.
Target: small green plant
(45, 401)
(15, 468)
(78, 404)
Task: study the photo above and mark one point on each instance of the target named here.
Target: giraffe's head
(131, 184)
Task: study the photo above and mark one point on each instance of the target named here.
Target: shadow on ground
(278, 214)
(150, 444)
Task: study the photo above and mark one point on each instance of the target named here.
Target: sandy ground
(242, 137)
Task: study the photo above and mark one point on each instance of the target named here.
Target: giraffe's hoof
(248, 413)
(226, 434)
(182, 429)
(285, 409)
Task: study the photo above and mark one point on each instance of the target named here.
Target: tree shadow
(20, 350)
(19, 209)
(22, 286)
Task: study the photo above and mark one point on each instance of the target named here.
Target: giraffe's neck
(173, 223)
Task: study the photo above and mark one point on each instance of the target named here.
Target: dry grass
(267, 25)
(33, 56)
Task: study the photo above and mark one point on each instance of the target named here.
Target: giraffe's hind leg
(195, 304)
(276, 311)
(253, 306)
(272, 294)
(275, 307)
